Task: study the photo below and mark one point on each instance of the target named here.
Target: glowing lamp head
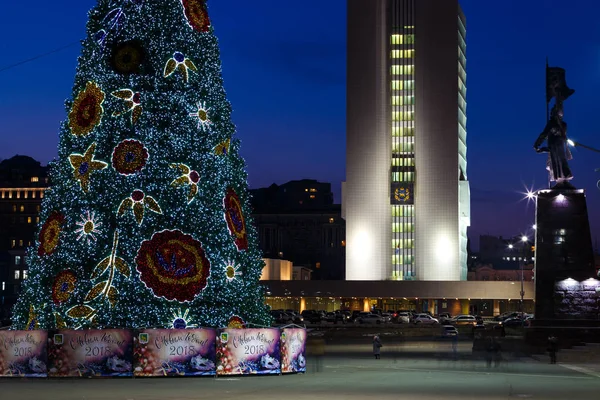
(510, 246)
(524, 238)
(571, 143)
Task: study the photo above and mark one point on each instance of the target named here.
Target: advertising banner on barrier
(106, 352)
(23, 354)
(174, 352)
(293, 345)
(248, 351)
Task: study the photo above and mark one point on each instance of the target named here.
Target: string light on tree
(166, 228)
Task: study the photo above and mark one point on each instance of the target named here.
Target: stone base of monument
(564, 258)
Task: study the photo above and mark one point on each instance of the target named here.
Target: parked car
(403, 318)
(507, 315)
(368, 318)
(311, 316)
(449, 331)
(443, 317)
(387, 317)
(424, 319)
(463, 320)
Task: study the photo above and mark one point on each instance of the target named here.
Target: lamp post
(524, 240)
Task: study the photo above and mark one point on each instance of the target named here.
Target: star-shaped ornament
(84, 165)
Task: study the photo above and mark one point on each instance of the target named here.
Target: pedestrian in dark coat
(376, 347)
(552, 348)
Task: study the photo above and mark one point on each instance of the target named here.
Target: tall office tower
(406, 195)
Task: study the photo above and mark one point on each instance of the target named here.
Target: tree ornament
(202, 114)
(180, 320)
(189, 177)
(129, 157)
(173, 265)
(222, 149)
(87, 110)
(137, 202)
(88, 227)
(231, 271)
(32, 322)
(196, 14)
(132, 102)
(64, 286)
(179, 61)
(236, 322)
(50, 234)
(111, 23)
(235, 219)
(84, 165)
(128, 57)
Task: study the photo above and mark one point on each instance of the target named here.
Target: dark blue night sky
(284, 72)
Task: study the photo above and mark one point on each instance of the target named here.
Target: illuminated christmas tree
(147, 220)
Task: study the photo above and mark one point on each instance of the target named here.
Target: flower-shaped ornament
(137, 202)
(179, 61)
(188, 177)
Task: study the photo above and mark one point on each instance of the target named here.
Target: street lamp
(524, 240)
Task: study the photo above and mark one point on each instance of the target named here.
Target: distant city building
(23, 181)
(297, 221)
(501, 259)
(406, 195)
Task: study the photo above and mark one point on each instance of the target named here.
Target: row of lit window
(26, 194)
(403, 115)
(405, 227)
(403, 244)
(312, 190)
(403, 53)
(403, 176)
(403, 85)
(403, 210)
(403, 100)
(403, 39)
(13, 243)
(403, 131)
(403, 69)
(22, 220)
(399, 259)
(403, 161)
(403, 147)
(518, 258)
(22, 208)
(19, 275)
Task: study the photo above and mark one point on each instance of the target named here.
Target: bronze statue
(555, 132)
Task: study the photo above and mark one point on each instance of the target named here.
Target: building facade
(23, 182)
(406, 195)
(297, 221)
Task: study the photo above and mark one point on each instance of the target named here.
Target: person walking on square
(377, 347)
(552, 348)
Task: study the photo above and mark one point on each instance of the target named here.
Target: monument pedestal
(564, 257)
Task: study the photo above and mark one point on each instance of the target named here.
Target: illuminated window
(10, 194)
(402, 53)
(14, 208)
(403, 176)
(22, 208)
(306, 190)
(33, 194)
(402, 69)
(37, 208)
(403, 100)
(402, 131)
(35, 179)
(20, 242)
(18, 194)
(17, 274)
(403, 162)
(17, 260)
(41, 195)
(312, 196)
(3, 286)
(37, 220)
(313, 190)
(25, 274)
(331, 220)
(403, 39)
(403, 116)
(343, 243)
(401, 228)
(28, 220)
(403, 211)
(13, 243)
